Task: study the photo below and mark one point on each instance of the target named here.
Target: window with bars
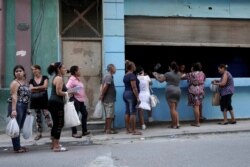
(81, 18)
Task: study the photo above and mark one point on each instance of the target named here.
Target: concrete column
(23, 34)
(2, 42)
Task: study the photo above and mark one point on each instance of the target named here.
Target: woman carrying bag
(18, 103)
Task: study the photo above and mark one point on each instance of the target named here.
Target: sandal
(20, 150)
(60, 149)
(136, 133)
(111, 132)
(39, 136)
(195, 124)
(223, 123)
(25, 149)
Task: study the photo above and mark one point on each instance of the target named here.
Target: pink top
(73, 82)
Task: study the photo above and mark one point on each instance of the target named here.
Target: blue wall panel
(113, 11)
(191, 8)
(114, 44)
(111, 28)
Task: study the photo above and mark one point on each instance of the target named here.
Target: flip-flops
(223, 123)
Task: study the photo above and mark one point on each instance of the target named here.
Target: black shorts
(225, 103)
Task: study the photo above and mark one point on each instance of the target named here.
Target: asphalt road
(213, 150)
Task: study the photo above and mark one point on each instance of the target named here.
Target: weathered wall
(188, 8)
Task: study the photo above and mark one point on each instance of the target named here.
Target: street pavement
(153, 130)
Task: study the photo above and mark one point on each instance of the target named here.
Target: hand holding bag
(71, 117)
(98, 110)
(153, 99)
(12, 128)
(28, 126)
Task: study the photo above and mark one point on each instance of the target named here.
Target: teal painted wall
(45, 35)
(190, 8)
(10, 45)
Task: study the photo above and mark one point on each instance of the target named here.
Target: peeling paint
(21, 53)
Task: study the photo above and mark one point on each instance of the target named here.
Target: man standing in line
(108, 97)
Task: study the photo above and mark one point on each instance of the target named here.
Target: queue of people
(33, 95)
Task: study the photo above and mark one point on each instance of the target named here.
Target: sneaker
(150, 119)
(143, 127)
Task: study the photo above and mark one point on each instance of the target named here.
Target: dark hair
(129, 65)
(197, 66)
(16, 67)
(36, 67)
(73, 70)
(53, 68)
(174, 66)
(109, 67)
(225, 66)
(139, 70)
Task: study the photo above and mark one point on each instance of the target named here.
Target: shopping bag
(216, 99)
(98, 110)
(12, 128)
(28, 126)
(71, 117)
(154, 100)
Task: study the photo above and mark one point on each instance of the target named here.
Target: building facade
(94, 33)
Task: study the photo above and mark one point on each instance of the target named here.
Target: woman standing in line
(173, 91)
(131, 97)
(78, 97)
(196, 79)
(226, 89)
(56, 104)
(144, 96)
(39, 98)
(18, 103)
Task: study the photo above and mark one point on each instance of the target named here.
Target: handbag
(71, 117)
(38, 95)
(216, 99)
(28, 126)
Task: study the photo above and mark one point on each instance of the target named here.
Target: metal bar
(78, 18)
(88, 23)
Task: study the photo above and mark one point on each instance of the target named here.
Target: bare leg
(141, 118)
(127, 123)
(133, 125)
(173, 112)
(232, 115)
(197, 116)
(225, 116)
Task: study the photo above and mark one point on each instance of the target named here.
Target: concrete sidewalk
(154, 130)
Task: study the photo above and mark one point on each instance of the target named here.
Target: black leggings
(57, 112)
(80, 107)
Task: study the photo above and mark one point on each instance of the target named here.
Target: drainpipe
(23, 35)
(2, 42)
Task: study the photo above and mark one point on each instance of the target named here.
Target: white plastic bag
(154, 100)
(214, 88)
(71, 117)
(28, 126)
(98, 110)
(12, 128)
